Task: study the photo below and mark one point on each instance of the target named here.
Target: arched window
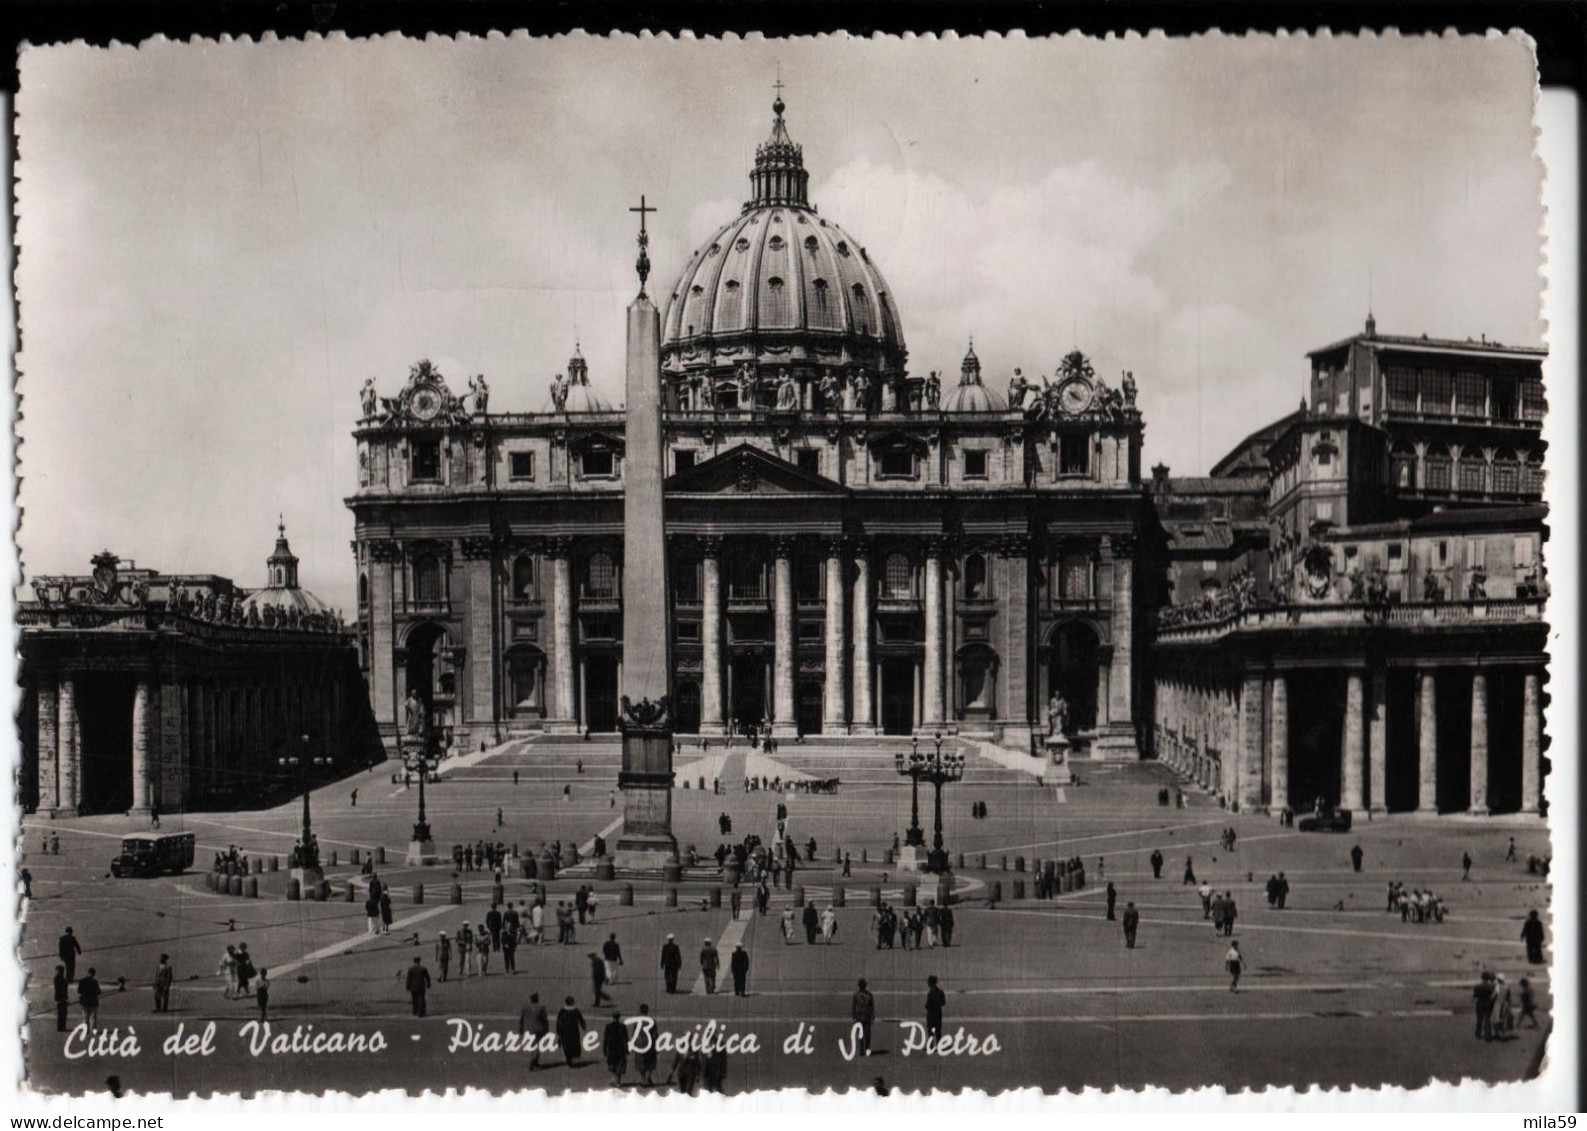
(427, 579)
(1436, 469)
(975, 577)
(600, 579)
(1506, 473)
(1074, 575)
(523, 578)
(1402, 467)
(1473, 474)
(898, 580)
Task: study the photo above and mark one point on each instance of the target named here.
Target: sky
(218, 242)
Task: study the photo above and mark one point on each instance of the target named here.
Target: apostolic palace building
(1348, 608)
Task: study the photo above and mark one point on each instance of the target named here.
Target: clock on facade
(1074, 396)
(425, 402)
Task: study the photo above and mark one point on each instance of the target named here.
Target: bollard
(672, 872)
(960, 859)
(1019, 863)
(1003, 863)
(911, 895)
(352, 892)
(837, 856)
(275, 863)
(876, 897)
(209, 880)
(944, 891)
(625, 896)
(333, 858)
(982, 864)
(322, 891)
(799, 895)
(671, 899)
(839, 896)
(235, 888)
(294, 890)
(380, 854)
(1019, 889)
(526, 868)
(354, 859)
(231, 867)
(497, 895)
(418, 894)
(702, 781)
(865, 856)
(716, 897)
(606, 869)
(258, 865)
(457, 894)
(997, 891)
(546, 867)
(251, 888)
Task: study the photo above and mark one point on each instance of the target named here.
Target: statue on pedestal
(744, 377)
(1017, 390)
(1129, 389)
(559, 392)
(933, 389)
(1057, 715)
(787, 392)
(831, 395)
(415, 720)
(368, 398)
(481, 391)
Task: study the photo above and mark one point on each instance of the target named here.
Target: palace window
(1523, 559)
(1440, 553)
(1476, 553)
(896, 463)
(1438, 387)
(746, 577)
(1402, 467)
(1532, 403)
(600, 577)
(1401, 389)
(898, 579)
(685, 582)
(1396, 555)
(1532, 476)
(520, 465)
(1074, 453)
(1471, 394)
(807, 580)
(597, 463)
(427, 579)
(425, 461)
(1506, 474)
(523, 578)
(1436, 469)
(363, 589)
(1473, 475)
(689, 630)
(975, 577)
(975, 463)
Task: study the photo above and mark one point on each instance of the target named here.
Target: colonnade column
(567, 708)
(1278, 743)
(1531, 744)
(1353, 777)
(1478, 805)
(835, 719)
(783, 722)
(932, 707)
(1427, 743)
(711, 636)
(864, 716)
(1378, 743)
(69, 735)
(1248, 758)
(47, 760)
(1015, 551)
(144, 747)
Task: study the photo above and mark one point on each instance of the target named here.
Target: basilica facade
(855, 548)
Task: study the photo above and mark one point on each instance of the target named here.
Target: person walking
(935, 1000)
(1132, 923)
(443, 954)
(598, 980)
(163, 977)
(1532, 935)
(1356, 856)
(829, 925)
(1528, 1003)
(1482, 996)
(465, 951)
(1465, 867)
(245, 969)
(1157, 862)
(1234, 963)
(848, 866)
(372, 913)
(863, 1010)
(418, 985)
(1228, 914)
(533, 1019)
(1205, 892)
(645, 1061)
(570, 1031)
(261, 993)
(1217, 914)
(790, 923)
(736, 900)
(710, 963)
(1509, 853)
(228, 970)
(1190, 874)
(27, 883)
(1504, 1018)
(1113, 899)
(69, 948)
(1282, 890)
(738, 966)
(385, 912)
(63, 998)
(671, 963)
(812, 923)
(493, 922)
(611, 957)
(88, 997)
(614, 1045)
(946, 925)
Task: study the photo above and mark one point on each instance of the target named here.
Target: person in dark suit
(710, 963)
(946, 925)
(738, 965)
(570, 1030)
(812, 923)
(863, 1010)
(533, 1020)
(1113, 899)
(614, 1044)
(1157, 857)
(493, 923)
(671, 963)
(1132, 923)
(63, 998)
(418, 985)
(69, 948)
(88, 998)
(935, 1000)
(163, 977)
(1532, 935)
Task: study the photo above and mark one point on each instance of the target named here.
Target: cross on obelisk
(643, 266)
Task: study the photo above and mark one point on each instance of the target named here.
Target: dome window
(775, 243)
(742, 244)
(820, 285)
(811, 243)
(697, 289)
(776, 217)
(843, 247)
(716, 249)
(774, 283)
(732, 284)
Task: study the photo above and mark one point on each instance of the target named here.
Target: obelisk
(646, 841)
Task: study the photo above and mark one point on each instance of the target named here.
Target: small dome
(580, 396)
(283, 591)
(971, 395)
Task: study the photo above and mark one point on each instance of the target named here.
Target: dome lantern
(779, 175)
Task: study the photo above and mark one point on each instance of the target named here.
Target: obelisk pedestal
(646, 842)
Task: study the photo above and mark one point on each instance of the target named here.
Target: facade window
(425, 461)
(1523, 558)
(1396, 555)
(807, 580)
(809, 459)
(898, 580)
(1436, 469)
(1074, 453)
(597, 463)
(600, 577)
(685, 582)
(810, 631)
(363, 589)
(1473, 477)
(1402, 467)
(1400, 388)
(1440, 553)
(689, 630)
(1325, 511)
(427, 580)
(1325, 457)
(975, 577)
(1074, 576)
(523, 578)
(1438, 387)
(1506, 474)
(1209, 565)
(520, 465)
(975, 463)
(1476, 553)
(897, 463)
(1532, 403)
(1471, 394)
(682, 459)
(1532, 476)
(746, 577)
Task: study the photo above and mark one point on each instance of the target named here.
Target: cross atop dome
(779, 175)
(970, 369)
(282, 564)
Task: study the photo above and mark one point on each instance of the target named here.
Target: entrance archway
(749, 689)
(429, 671)
(807, 709)
(1072, 671)
(898, 695)
(600, 694)
(686, 708)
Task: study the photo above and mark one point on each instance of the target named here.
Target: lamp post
(421, 848)
(308, 850)
(939, 769)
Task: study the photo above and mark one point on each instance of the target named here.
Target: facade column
(1353, 777)
(1120, 706)
(864, 699)
(1378, 744)
(145, 747)
(1015, 603)
(835, 719)
(1531, 744)
(1278, 743)
(931, 681)
(69, 734)
(566, 718)
(1478, 806)
(783, 721)
(711, 717)
(1427, 743)
(48, 757)
(1248, 783)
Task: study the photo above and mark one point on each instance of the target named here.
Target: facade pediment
(747, 470)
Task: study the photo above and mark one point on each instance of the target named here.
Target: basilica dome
(971, 395)
(779, 285)
(283, 591)
(574, 393)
